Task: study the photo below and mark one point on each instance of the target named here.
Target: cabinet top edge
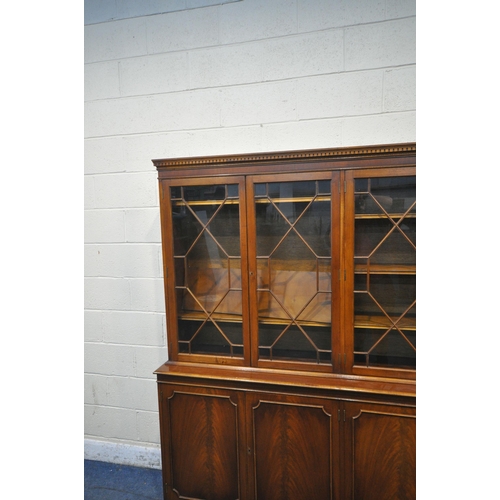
(312, 380)
(287, 156)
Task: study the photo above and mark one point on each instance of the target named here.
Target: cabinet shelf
(230, 201)
(232, 318)
(300, 265)
(393, 216)
(218, 317)
(298, 199)
(385, 269)
(383, 323)
(292, 265)
(193, 203)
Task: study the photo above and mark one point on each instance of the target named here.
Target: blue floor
(106, 481)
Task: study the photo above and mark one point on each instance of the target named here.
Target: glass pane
(324, 275)
(314, 226)
(270, 309)
(186, 228)
(293, 221)
(316, 310)
(271, 227)
(394, 194)
(225, 228)
(232, 191)
(385, 240)
(229, 307)
(392, 294)
(385, 272)
(293, 344)
(385, 348)
(208, 269)
(288, 343)
(197, 337)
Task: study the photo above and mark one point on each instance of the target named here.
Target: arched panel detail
(292, 445)
(204, 437)
(384, 458)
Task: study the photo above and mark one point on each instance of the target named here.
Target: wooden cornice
(287, 156)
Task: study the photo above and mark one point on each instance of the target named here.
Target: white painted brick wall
(338, 95)
(92, 330)
(115, 260)
(154, 74)
(257, 20)
(303, 55)
(379, 45)
(188, 29)
(307, 134)
(112, 423)
(135, 189)
(114, 40)
(260, 103)
(226, 65)
(399, 89)
(104, 226)
(102, 80)
(142, 225)
(97, 11)
(208, 77)
(131, 327)
(107, 293)
(131, 393)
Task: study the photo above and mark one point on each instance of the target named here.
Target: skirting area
(123, 454)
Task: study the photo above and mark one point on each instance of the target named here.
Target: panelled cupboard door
(380, 452)
(294, 443)
(380, 272)
(203, 452)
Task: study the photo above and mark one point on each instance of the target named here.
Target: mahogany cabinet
(290, 285)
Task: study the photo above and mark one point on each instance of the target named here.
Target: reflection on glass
(208, 269)
(385, 273)
(293, 222)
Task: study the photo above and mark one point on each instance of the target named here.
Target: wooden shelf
(383, 323)
(193, 203)
(290, 265)
(411, 215)
(232, 318)
(385, 269)
(299, 199)
(258, 200)
(302, 265)
(219, 317)
(369, 322)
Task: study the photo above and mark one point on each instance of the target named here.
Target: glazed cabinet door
(202, 437)
(379, 452)
(205, 260)
(293, 443)
(294, 242)
(380, 272)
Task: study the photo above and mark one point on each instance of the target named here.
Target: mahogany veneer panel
(204, 447)
(292, 451)
(384, 456)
